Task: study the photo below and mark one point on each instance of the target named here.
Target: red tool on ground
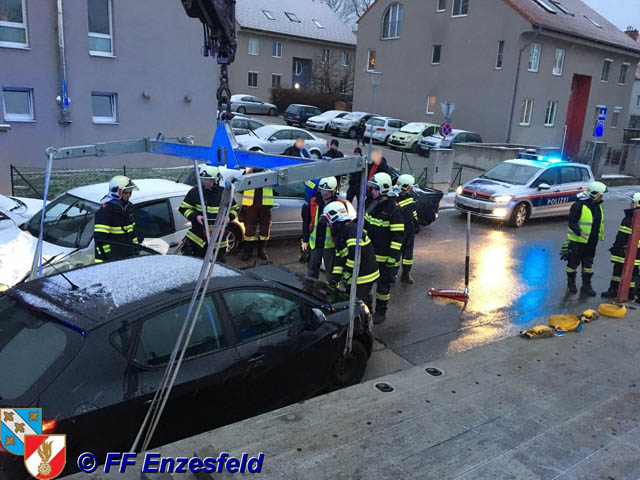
(459, 295)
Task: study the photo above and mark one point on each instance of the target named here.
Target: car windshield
(412, 128)
(512, 173)
(68, 222)
(376, 122)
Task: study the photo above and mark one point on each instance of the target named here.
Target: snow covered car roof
(149, 189)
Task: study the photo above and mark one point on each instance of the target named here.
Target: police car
(530, 186)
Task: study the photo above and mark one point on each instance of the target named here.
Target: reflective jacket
(249, 195)
(311, 219)
(191, 208)
(584, 223)
(407, 202)
(384, 223)
(619, 248)
(346, 235)
(115, 222)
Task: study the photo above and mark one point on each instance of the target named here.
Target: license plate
(467, 202)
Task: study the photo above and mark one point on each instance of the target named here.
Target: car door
(571, 184)
(258, 105)
(284, 360)
(155, 220)
(287, 210)
(279, 141)
(545, 201)
(253, 125)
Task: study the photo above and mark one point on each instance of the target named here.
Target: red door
(576, 113)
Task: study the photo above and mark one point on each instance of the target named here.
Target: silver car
(348, 125)
(381, 128)
(321, 122)
(277, 138)
(250, 104)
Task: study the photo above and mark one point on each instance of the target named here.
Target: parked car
(519, 189)
(243, 125)
(407, 137)
(321, 122)
(264, 338)
(348, 125)
(68, 227)
(381, 128)
(438, 141)
(15, 211)
(251, 104)
(276, 138)
(299, 114)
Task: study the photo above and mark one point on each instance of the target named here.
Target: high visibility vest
(267, 197)
(328, 239)
(586, 224)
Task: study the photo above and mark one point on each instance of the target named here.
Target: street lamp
(375, 77)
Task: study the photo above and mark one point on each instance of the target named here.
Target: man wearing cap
(115, 225)
(377, 164)
(333, 151)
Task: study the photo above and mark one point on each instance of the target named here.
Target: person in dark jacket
(297, 149)
(362, 126)
(619, 251)
(407, 203)
(345, 234)
(333, 151)
(377, 164)
(195, 241)
(586, 227)
(115, 227)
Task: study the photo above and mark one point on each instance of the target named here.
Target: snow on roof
(153, 187)
(251, 14)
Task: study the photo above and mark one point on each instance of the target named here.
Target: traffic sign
(602, 113)
(446, 129)
(599, 130)
(447, 109)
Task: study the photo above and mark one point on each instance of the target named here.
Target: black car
(299, 114)
(90, 349)
(427, 201)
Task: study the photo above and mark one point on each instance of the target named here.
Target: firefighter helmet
(596, 190)
(336, 212)
(635, 198)
(382, 181)
(328, 184)
(120, 184)
(405, 182)
(209, 172)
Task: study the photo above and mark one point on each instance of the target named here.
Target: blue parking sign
(602, 114)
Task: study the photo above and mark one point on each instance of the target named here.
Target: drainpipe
(63, 99)
(515, 86)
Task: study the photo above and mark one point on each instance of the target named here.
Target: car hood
(319, 119)
(342, 121)
(432, 140)
(490, 187)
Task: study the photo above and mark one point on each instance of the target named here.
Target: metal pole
(36, 266)
(564, 140)
(466, 260)
(203, 207)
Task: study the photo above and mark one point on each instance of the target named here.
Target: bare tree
(330, 75)
(349, 10)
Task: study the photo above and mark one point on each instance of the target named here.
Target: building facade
(291, 44)
(519, 71)
(634, 120)
(133, 69)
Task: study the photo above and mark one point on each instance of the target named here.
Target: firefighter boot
(612, 292)
(571, 283)
(248, 251)
(261, 250)
(586, 288)
(406, 276)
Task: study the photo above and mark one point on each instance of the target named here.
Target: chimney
(632, 32)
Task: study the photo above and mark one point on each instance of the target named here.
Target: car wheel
(272, 112)
(242, 110)
(519, 215)
(234, 237)
(414, 148)
(353, 133)
(386, 140)
(316, 154)
(257, 149)
(350, 370)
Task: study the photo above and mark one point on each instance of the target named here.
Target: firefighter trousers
(256, 219)
(616, 277)
(407, 254)
(193, 250)
(580, 254)
(383, 287)
(316, 256)
(364, 292)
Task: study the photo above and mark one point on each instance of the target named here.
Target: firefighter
(345, 233)
(195, 241)
(255, 213)
(377, 164)
(384, 224)
(407, 203)
(316, 234)
(586, 227)
(115, 226)
(619, 250)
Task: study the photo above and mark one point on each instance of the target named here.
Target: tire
(347, 372)
(289, 123)
(519, 215)
(315, 154)
(414, 148)
(242, 110)
(386, 140)
(272, 112)
(234, 238)
(353, 133)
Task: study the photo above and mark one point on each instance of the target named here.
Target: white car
(276, 139)
(527, 187)
(381, 128)
(321, 122)
(438, 141)
(68, 228)
(14, 211)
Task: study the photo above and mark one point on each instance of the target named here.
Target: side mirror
(544, 186)
(318, 319)
(271, 139)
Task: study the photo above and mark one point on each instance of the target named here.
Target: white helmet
(119, 184)
(382, 181)
(405, 182)
(209, 172)
(596, 190)
(336, 212)
(635, 198)
(328, 184)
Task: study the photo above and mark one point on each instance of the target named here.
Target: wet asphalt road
(517, 281)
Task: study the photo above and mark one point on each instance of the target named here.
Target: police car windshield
(512, 173)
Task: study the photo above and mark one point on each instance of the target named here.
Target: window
(534, 57)
(544, 5)
(100, 27)
(550, 116)
(558, 66)
(500, 55)
(294, 190)
(297, 68)
(276, 79)
(292, 17)
(104, 107)
(615, 117)
(606, 70)
(277, 50)
(593, 21)
(326, 55)
(561, 7)
(431, 105)
(18, 104)
(268, 14)
(638, 101)
(527, 110)
(460, 8)
(13, 24)
(253, 80)
(550, 177)
(254, 46)
(154, 220)
(392, 21)
(371, 60)
(435, 54)
(159, 333)
(571, 174)
(318, 24)
(624, 69)
(259, 313)
(346, 59)
(441, 6)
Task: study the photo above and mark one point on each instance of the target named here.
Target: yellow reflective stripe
(395, 246)
(406, 202)
(624, 229)
(587, 270)
(352, 242)
(415, 214)
(616, 279)
(397, 227)
(393, 262)
(571, 270)
(381, 258)
(97, 260)
(350, 263)
(186, 205)
(343, 253)
(617, 259)
(384, 297)
(337, 270)
(105, 248)
(375, 221)
(310, 184)
(407, 262)
(369, 278)
(100, 228)
(196, 239)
